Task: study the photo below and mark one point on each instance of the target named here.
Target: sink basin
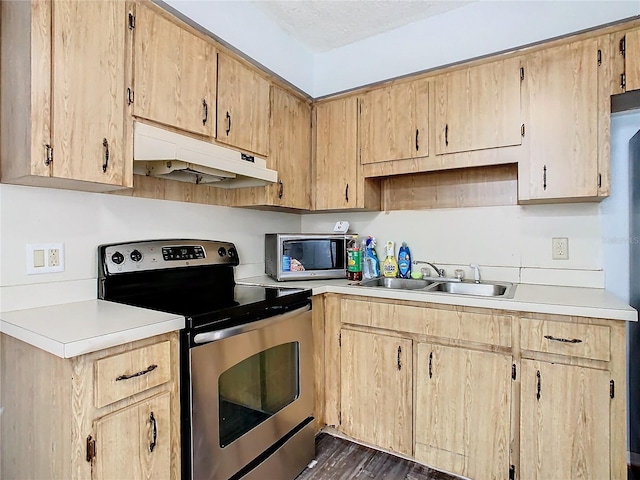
(396, 283)
(484, 289)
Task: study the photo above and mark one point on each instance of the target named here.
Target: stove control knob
(222, 251)
(136, 256)
(233, 253)
(117, 258)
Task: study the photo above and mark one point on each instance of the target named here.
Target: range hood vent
(160, 153)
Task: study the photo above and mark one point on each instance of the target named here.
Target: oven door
(251, 386)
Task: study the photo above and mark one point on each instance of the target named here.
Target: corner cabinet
(110, 414)
(243, 106)
(339, 183)
(566, 126)
(63, 116)
(174, 81)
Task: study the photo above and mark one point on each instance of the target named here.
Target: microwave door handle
(214, 336)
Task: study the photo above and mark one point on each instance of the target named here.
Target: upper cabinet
(478, 107)
(632, 59)
(338, 182)
(394, 122)
(174, 74)
(63, 98)
(562, 108)
(243, 106)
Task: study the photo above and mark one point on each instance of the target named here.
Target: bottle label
(354, 263)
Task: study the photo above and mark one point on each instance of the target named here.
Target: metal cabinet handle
(399, 361)
(280, 189)
(417, 145)
(129, 96)
(346, 193)
(105, 164)
(228, 123)
(446, 135)
(154, 426)
(544, 177)
(206, 111)
(48, 154)
(430, 364)
(563, 340)
(150, 368)
(538, 387)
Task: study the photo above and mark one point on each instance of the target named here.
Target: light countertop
(73, 329)
(577, 301)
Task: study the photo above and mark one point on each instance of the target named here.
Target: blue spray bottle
(404, 261)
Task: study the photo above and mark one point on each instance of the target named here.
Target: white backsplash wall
(509, 243)
(82, 221)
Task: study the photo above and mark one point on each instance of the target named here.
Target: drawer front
(131, 372)
(454, 324)
(573, 339)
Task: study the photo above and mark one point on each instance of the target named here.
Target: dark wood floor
(340, 459)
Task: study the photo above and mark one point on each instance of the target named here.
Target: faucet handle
(459, 274)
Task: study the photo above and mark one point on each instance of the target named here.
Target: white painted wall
(82, 221)
(509, 243)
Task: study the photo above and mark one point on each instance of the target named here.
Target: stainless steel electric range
(246, 356)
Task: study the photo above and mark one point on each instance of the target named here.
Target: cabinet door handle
(228, 123)
(154, 427)
(105, 164)
(346, 193)
(446, 135)
(417, 144)
(538, 387)
(544, 177)
(399, 361)
(430, 364)
(48, 154)
(280, 189)
(205, 107)
(150, 368)
(563, 340)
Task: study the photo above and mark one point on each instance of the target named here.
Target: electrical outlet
(560, 248)
(45, 258)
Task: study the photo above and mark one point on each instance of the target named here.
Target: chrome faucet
(439, 271)
(476, 272)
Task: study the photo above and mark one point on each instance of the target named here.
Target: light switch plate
(341, 227)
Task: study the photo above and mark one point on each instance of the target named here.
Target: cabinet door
(478, 107)
(336, 160)
(561, 124)
(243, 107)
(632, 59)
(564, 422)
(393, 122)
(174, 76)
(463, 408)
(291, 150)
(88, 58)
(135, 442)
(376, 389)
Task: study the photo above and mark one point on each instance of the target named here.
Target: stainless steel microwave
(305, 256)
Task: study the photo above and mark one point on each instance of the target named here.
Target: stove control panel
(159, 254)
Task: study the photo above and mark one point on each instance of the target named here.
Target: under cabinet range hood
(161, 153)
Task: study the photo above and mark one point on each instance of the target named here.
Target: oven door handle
(208, 337)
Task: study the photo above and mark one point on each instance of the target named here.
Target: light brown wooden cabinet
(338, 181)
(63, 116)
(243, 106)
(376, 385)
(394, 122)
(632, 60)
(478, 107)
(289, 155)
(462, 411)
(563, 117)
(91, 416)
(174, 81)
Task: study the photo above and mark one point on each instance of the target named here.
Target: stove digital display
(189, 252)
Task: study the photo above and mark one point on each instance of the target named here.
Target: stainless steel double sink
(483, 289)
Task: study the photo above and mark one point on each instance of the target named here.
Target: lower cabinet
(110, 414)
(463, 408)
(376, 381)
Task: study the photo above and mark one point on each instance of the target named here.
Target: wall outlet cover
(560, 246)
(45, 258)
(341, 227)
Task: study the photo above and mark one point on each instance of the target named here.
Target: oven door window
(313, 255)
(257, 388)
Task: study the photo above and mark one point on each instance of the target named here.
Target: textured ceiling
(322, 25)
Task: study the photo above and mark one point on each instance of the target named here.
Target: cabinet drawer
(131, 372)
(454, 324)
(574, 339)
